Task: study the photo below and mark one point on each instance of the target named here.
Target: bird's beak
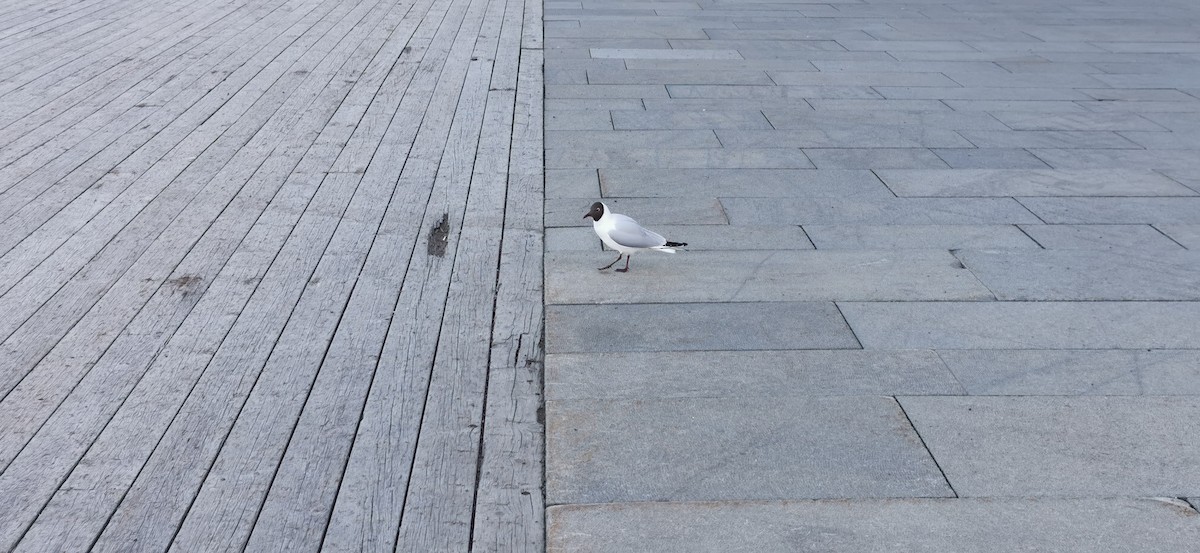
(586, 215)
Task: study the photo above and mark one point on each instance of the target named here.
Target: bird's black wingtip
(675, 244)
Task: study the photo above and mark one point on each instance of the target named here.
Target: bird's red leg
(626, 269)
(615, 262)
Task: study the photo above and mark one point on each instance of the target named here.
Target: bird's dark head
(596, 212)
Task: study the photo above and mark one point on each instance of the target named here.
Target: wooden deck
(270, 275)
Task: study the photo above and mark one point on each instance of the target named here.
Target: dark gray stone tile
(884, 211)
(732, 276)
(748, 374)
(794, 183)
(910, 525)
(699, 449)
(1025, 325)
(1062, 446)
(918, 237)
(1020, 182)
(696, 326)
(1076, 372)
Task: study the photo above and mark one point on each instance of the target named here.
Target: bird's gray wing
(628, 233)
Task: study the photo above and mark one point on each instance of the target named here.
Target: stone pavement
(943, 287)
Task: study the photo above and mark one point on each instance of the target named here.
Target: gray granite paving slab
(862, 79)
(1032, 47)
(1141, 108)
(1139, 94)
(677, 119)
(1087, 274)
(572, 183)
(877, 104)
(1186, 235)
(746, 46)
(1041, 525)
(664, 139)
(698, 237)
(571, 277)
(598, 42)
(1127, 211)
(918, 237)
(1100, 237)
(907, 66)
(1047, 139)
(650, 375)
(696, 326)
(682, 158)
(845, 136)
(893, 211)
(752, 36)
(1062, 446)
(568, 212)
(1176, 121)
(606, 91)
(734, 448)
(667, 76)
(967, 93)
(595, 104)
(1025, 325)
(1023, 106)
(907, 45)
(981, 158)
(1018, 182)
(1166, 160)
(1025, 80)
(1151, 80)
(798, 183)
(665, 54)
(1166, 140)
(1076, 372)
(722, 104)
(565, 76)
(721, 65)
(781, 119)
(1085, 121)
(562, 119)
(874, 158)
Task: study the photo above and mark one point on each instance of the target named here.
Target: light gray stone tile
(1021, 182)
(1123, 211)
(1022, 121)
(697, 449)
(1047, 139)
(572, 239)
(722, 104)
(1166, 160)
(594, 104)
(578, 120)
(1176, 121)
(1187, 235)
(874, 158)
(664, 139)
(665, 54)
(730, 276)
(1025, 80)
(907, 45)
(1087, 275)
(893, 211)
(989, 158)
(1151, 80)
(1062, 446)
(1076, 372)
(906, 66)
(910, 525)
(917, 237)
(874, 104)
(699, 238)
(1151, 47)
(804, 78)
(591, 91)
(1023, 106)
(745, 47)
(929, 119)
(752, 36)
(845, 136)
(553, 76)
(1165, 140)
(1046, 66)
(988, 93)
(1138, 94)
(595, 42)
(631, 32)
(793, 183)
(669, 77)
(721, 65)
(754, 92)
(1032, 47)
(1025, 325)
(572, 183)
(1141, 108)
(747, 374)
(1100, 237)
(692, 210)
(696, 327)
(682, 158)
(678, 119)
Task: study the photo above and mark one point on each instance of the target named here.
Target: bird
(625, 235)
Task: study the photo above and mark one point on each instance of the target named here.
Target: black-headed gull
(625, 235)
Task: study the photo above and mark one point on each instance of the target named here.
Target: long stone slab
(1025, 325)
(1047, 139)
(617, 182)
(1063, 446)
(665, 139)
(918, 237)
(910, 525)
(1138, 238)
(682, 119)
(696, 326)
(874, 158)
(1030, 182)
(1124, 211)
(749, 374)
(702, 238)
(845, 136)
(681, 158)
(691, 449)
(732, 276)
(1087, 274)
(885, 211)
(1076, 372)
(1081, 121)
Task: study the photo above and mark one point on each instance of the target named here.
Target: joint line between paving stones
(1026, 208)
(964, 267)
(950, 370)
(847, 321)
(925, 445)
(1035, 241)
